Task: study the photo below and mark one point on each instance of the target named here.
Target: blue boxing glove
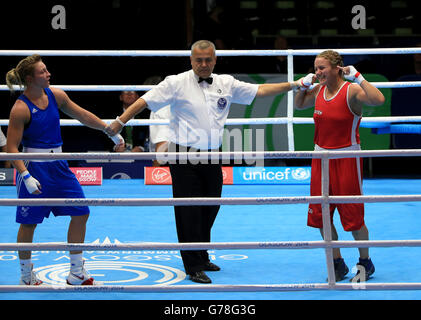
(32, 185)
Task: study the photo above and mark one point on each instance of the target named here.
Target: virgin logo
(160, 175)
(224, 175)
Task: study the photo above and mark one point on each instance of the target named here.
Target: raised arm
(363, 94)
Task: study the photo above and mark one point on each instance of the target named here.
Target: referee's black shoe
(209, 266)
(200, 277)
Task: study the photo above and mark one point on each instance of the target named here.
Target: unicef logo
(120, 271)
(300, 174)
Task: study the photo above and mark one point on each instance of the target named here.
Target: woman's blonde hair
(17, 76)
(334, 58)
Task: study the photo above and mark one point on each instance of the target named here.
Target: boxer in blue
(34, 122)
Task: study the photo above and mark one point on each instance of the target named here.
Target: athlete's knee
(28, 227)
(26, 232)
(80, 219)
(360, 233)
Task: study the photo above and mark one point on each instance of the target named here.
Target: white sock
(76, 263)
(25, 267)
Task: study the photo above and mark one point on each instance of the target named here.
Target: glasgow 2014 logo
(121, 272)
(117, 267)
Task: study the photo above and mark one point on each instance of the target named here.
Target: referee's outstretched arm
(271, 89)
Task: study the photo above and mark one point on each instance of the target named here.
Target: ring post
(327, 226)
(290, 102)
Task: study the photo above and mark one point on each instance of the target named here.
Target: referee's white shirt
(199, 110)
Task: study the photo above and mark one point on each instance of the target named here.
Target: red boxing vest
(336, 126)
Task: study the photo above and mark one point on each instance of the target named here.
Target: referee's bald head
(202, 44)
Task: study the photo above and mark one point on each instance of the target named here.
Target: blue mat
(385, 221)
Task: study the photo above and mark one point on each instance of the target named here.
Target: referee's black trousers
(194, 223)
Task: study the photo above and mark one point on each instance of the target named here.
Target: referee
(199, 102)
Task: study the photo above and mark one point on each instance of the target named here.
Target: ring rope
(213, 288)
(205, 155)
(396, 84)
(115, 202)
(222, 53)
(365, 121)
(61, 246)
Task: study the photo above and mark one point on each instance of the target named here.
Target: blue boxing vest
(43, 130)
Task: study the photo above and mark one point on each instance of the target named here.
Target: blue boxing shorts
(57, 181)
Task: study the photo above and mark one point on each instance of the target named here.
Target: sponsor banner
(227, 176)
(85, 176)
(7, 177)
(157, 175)
(271, 175)
(119, 169)
(88, 176)
(162, 175)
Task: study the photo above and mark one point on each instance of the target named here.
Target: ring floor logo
(122, 272)
(117, 267)
(111, 267)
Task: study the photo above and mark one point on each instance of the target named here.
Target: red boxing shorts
(345, 178)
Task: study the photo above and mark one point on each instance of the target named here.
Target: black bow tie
(208, 80)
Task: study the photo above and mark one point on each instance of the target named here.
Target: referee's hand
(113, 128)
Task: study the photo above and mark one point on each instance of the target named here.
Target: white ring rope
(365, 121)
(211, 156)
(396, 84)
(62, 246)
(115, 202)
(186, 53)
(213, 288)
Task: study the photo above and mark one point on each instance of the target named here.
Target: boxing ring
(325, 199)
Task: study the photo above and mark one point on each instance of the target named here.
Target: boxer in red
(337, 115)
